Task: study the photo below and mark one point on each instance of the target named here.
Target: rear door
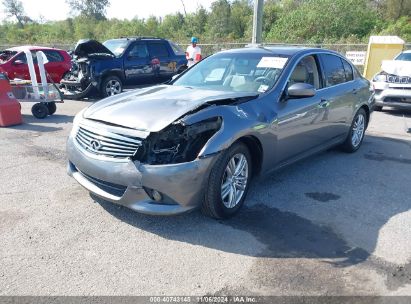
(54, 67)
(339, 93)
(161, 60)
(137, 64)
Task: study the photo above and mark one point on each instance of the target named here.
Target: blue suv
(106, 68)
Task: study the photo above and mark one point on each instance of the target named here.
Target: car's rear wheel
(228, 183)
(357, 131)
(111, 86)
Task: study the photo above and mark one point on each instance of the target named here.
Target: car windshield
(6, 55)
(404, 56)
(116, 46)
(235, 72)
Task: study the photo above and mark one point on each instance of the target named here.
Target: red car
(13, 62)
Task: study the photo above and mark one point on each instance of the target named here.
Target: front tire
(356, 135)
(112, 85)
(228, 183)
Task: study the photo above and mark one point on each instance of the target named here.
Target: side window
(139, 50)
(23, 58)
(348, 70)
(333, 70)
(157, 49)
(53, 56)
(306, 71)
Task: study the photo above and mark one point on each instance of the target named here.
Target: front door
(301, 121)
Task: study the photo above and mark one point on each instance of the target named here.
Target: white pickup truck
(392, 86)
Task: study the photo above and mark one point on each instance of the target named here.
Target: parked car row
(102, 69)
(106, 68)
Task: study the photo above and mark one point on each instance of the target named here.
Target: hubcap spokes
(358, 130)
(113, 88)
(234, 181)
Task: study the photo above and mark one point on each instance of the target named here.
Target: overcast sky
(121, 9)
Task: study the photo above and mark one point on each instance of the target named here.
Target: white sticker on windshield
(272, 62)
(262, 88)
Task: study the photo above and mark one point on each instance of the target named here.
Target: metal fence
(211, 48)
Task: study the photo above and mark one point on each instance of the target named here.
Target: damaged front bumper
(133, 184)
(80, 82)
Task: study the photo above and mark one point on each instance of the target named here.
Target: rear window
(53, 56)
(348, 71)
(333, 69)
(157, 49)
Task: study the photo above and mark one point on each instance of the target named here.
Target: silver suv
(392, 86)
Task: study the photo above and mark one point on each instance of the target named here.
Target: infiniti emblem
(95, 145)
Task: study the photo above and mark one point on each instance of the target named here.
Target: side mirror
(18, 62)
(300, 90)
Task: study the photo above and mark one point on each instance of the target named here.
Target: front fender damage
(184, 140)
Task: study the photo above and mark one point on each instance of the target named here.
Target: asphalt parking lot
(334, 224)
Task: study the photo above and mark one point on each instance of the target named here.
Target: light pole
(257, 21)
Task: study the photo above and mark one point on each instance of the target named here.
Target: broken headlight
(380, 77)
(177, 143)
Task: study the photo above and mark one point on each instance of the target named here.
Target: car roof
(280, 50)
(30, 47)
(137, 38)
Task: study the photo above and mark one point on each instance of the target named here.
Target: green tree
(241, 19)
(14, 8)
(89, 8)
(219, 25)
(316, 20)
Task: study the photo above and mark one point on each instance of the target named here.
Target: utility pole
(257, 21)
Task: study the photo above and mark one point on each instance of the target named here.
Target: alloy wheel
(235, 179)
(358, 130)
(113, 87)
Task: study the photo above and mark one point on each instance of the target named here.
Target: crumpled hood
(86, 47)
(152, 109)
(397, 67)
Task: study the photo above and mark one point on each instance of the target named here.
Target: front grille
(113, 189)
(398, 79)
(107, 144)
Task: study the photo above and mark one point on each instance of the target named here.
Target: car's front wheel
(228, 182)
(111, 85)
(356, 135)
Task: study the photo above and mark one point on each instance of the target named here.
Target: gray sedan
(200, 139)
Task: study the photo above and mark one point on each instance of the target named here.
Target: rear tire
(357, 131)
(112, 85)
(228, 183)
